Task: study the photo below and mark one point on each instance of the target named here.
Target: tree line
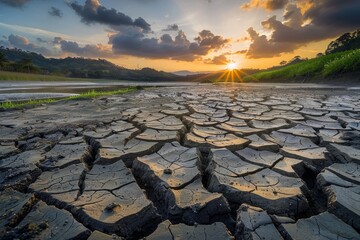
(17, 60)
(25, 65)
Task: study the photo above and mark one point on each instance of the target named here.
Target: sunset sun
(162, 119)
(231, 66)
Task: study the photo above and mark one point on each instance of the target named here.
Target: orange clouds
(269, 5)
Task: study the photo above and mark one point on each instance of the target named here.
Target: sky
(173, 35)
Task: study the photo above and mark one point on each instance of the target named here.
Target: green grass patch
(11, 105)
(94, 93)
(325, 66)
(87, 95)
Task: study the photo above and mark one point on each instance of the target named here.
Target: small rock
(111, 207)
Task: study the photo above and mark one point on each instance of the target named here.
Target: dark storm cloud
(266, 4)
(92, 51)
(321, 20)
(179, 48)
(327, 19)
(55, 12)
(24, 44)
(14, 3)
(217, 60)
(338, 14)
(172, 27)
(94, 12)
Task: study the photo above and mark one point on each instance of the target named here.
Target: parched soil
(199, 162)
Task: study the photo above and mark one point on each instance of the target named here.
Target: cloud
(36, 32)
(24, 44)
(58, 47)
(94, 12)
(179, 48)
(269, 5)
(89, 50)
(339, 14)
(319, 20)
(3, 44)
(261, 47)
(208, 41)
(14, 3)
(17, 40)
(172, 27)
(55, 12)
(244, 51)
(217, 60)
(40, 40)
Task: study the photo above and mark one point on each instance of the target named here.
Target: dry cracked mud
(206, 162)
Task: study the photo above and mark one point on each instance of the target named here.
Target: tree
(347, 41)
(3, 60)
(26, 63)
(296, 59)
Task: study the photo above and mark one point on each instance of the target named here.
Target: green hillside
(325, 67)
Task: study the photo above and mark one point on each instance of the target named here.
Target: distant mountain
(189, 73)
(348, 41)
(86, 68)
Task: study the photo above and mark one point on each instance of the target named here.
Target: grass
(11, 105)
(94, 94)
(16, 76)
(88, 95)
(322, 67)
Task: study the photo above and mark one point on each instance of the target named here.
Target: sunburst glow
(231, 66)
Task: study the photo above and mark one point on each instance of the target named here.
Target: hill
(82, 68)
(341, 62)
(335, 66)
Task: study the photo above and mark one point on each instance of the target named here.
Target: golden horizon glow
(167, 65)
(231, 66)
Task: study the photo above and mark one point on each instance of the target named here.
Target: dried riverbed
(199, 162)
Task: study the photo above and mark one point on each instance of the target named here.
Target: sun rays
(231, 75)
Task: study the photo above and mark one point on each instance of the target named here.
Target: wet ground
(26, 90)
(180, 162)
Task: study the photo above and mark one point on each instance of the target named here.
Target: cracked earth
(206, 162)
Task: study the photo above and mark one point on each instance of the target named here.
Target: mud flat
(180, 162)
